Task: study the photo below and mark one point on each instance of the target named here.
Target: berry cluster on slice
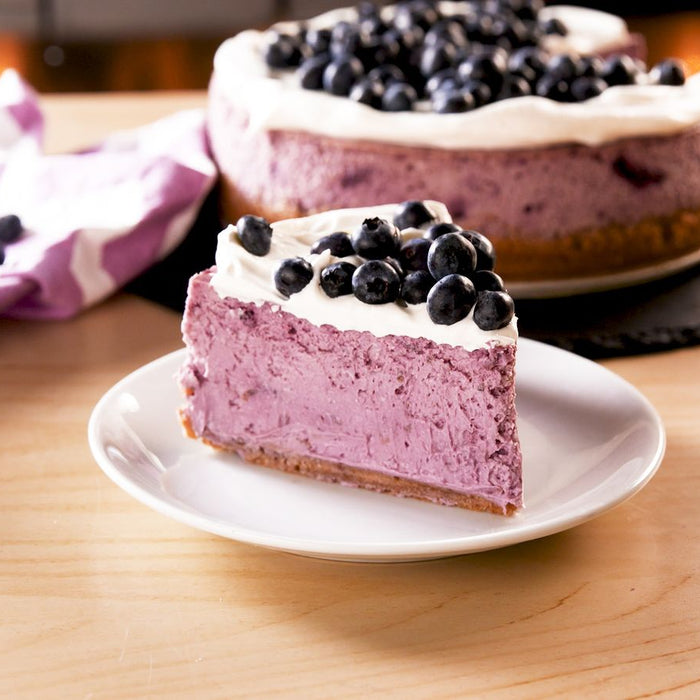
(450, 59)
(10, 230)
(412, 259)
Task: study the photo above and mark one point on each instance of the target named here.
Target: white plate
(590, 441)
(549, 289)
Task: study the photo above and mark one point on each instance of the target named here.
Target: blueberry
(416, 13)
(620, 70)
(388, 73)
(310, 72)
(318, 40)
(292, 275)
(399, 97)
(446, 78)
(437, 230)
(376, 282)
(485, 253)
(554, 88)
(487, 280)
(584, 88)
(448, 29)
(338, 243)
(450, 300)
(416, 286)
(376, 239)
(396, 265)
(412, 214)
(452, 101)
(413, 254)
(10, 228)
(554, 25)
(563, 67)
(345, 39)
(530, 62)
(368, 92)
(480, 92)
(336, 279)
(282, 51)
(590, 66)
(255, 234)
(667, 72)
(436, 57)
(485, 68)
(493, 310)
(451, 254)
(341, 74)
(514, 86)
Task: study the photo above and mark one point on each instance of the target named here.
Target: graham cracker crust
(337, 473)
(524, 258)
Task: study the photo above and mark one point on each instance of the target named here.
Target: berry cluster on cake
(372, 347)
(540, 127)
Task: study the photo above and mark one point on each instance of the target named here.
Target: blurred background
(106, 45)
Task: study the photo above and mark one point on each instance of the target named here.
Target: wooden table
(102, 597)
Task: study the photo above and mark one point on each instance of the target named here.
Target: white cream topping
(274, 100)
(247, 277)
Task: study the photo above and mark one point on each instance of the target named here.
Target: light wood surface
(103, 598)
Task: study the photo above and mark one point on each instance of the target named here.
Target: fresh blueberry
(450, 300)
(485, 253)
(448, 29)
(412, 214)
(375, 239)
(255, 234)
(336, 279)
(399, 97)
(292, 275)
(437, 230)
(282, 51)
(486, 68)
(584, 88)
(376, 282)
(527, 9)
(394, 262)
(554, 25)
(493, 310)
(667, 72)
(341, 74)
(452, 101)
(590, 66)
(436, 57)
(480, 92)
(345, 39)
(562, 67)
(10, 228)
(530, 62)
(416, 286)
(554, 88)
(514, 86)
(368, 92)
(413, 254)
(444, 79)
(620, 70)
(451, 254)
(388, 73)
(338, 243)
(418, 13)
(487, 280)
(318, 40)
(310, 72)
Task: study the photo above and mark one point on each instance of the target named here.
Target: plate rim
(380, 551)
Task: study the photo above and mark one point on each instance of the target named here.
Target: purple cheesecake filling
(405, 407)
(543, 192)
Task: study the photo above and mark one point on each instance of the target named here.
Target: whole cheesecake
(312, 351)
(571, 165)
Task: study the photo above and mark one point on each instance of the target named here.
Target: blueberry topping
(376, 239)
(450, 300)
(554, 26)
(399, 97)
(376, 282)
(554, 88)
(292, 275)
(2, 255)
(336, 279)
(443, 79)
(412, 214)
(484, 68)
(452, 101)
(620, 70)
(436, 57)
(480, 92)
(310, 72)
(282, 51)
(451, 254)
(530, 62)
(318, 40)
(485, 254)
(667, 72)
(255, 234)
(514, 86)
(413, 254)
(416, 286)
(338, 243)
(487, 280)
(493, 310)
(369, 92)
(562, 66)
(388, 73)
(341, 74)
(437, 230)
(584, 88)
(10, 228)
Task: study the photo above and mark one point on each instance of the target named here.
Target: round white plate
(550, 289)
(590, 440)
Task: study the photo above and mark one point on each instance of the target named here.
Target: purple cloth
(93, 220)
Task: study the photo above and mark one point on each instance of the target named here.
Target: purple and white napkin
(93, 220)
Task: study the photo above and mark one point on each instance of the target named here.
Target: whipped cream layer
(247, 277)
(274, 101)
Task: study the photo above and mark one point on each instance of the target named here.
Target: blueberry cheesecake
(541, 127)
(370, 347)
